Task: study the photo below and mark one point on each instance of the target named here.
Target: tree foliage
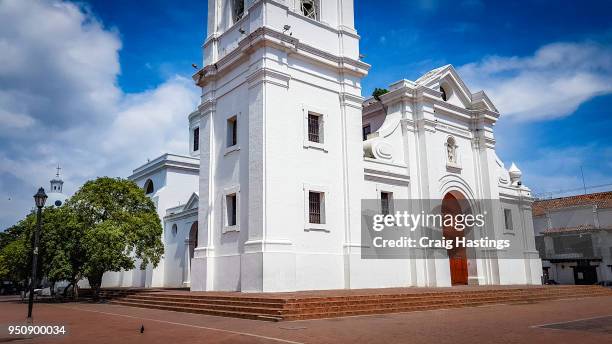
(107, 225)
(379, 92)
(120, 225)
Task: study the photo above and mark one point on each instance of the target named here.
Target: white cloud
(14, 120)
(60, 102)
(552, 83)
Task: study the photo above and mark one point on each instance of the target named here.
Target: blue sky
(89, 72)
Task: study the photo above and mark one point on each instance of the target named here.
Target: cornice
(265, 36)
(268, 75)
(349, 99)
(166, 161)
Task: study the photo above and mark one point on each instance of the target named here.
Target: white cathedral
(284, 148)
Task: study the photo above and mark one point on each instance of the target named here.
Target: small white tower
(56, 194)
(515, 174)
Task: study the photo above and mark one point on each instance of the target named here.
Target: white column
(187, 266)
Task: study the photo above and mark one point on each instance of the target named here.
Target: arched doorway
(457, 256)
(191, 242)
(193, 239)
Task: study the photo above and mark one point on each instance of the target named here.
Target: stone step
(310, 307)
(410, 304)
(349, 299)
(342, 301)
(217, 307)
(244, 315)
(293, 306)
(400, 309)
(207, 302)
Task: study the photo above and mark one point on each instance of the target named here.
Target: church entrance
(457, 256)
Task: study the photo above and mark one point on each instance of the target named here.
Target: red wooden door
(458, 268)
(457, 256)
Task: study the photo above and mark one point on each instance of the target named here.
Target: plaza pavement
(587, 320)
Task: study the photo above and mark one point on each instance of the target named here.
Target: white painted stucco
(268, 70)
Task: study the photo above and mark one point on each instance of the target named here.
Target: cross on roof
(58, 170)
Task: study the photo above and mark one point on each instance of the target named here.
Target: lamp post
(39, 199)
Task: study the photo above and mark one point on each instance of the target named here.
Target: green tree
(119, 223)
(57, 236)
(14, 261)
(379, 92)
(63, 245)
(15, 251)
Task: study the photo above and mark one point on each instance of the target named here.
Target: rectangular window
(314, 128)
(230, 204)
(386, 203)
(232, 131)
(508, 218)
(315, 207)
(196, 139)
(365, 131)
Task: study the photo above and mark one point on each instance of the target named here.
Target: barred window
(310, 8)
(315, 207)
(314, 128)
(196, 139)
(386, 199)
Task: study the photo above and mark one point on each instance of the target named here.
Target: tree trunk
(75, 290)
(95, 281)
(65, 292)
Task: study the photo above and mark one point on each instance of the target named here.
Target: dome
(55, 199)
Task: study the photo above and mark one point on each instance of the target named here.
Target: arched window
(444, 95)
(451, 150)
(148, 187)
(310, 8)
(174, 229)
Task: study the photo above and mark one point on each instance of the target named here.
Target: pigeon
(142, 329)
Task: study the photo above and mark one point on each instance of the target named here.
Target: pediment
(446, 77)
(456, 90)
(193, 202)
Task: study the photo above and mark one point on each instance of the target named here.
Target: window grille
(314, 128)
(314, 207)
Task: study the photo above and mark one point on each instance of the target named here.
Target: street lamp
(40, 198)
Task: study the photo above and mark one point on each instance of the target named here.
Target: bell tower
(57, 183)
(281, 163)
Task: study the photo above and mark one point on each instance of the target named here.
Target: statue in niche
(451, 151)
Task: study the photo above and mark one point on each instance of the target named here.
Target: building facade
(283, 167)
(574, 238)
(285, 148)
